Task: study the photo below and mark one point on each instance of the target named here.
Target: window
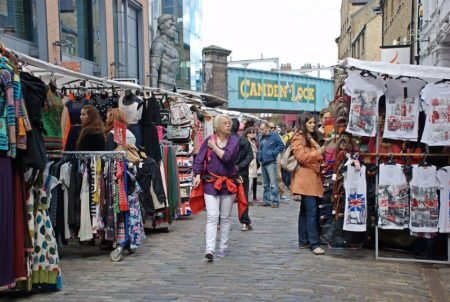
(18, 18)
(80, 28)
(363, 43)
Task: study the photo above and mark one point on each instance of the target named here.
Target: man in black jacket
(242, 162)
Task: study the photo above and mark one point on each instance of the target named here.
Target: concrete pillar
(215, 78)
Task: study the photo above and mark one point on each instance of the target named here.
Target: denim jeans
(307, 222)
(270, 183)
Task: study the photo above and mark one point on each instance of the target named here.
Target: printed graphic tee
(365, 93)
(424, 205)
(402, 108)
(443, 176)
(393, 198)
(355, 214)
(436, 100)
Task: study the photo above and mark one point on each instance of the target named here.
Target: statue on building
(164, 58)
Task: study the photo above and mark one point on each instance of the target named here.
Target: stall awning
(419, 71)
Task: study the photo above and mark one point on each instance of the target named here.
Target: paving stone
(264, 264)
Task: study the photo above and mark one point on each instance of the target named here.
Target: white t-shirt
(355, 214)
(402, 109)
(424, 204)
(436, 99)
(365, 93)
(393, 198)
(443, 175)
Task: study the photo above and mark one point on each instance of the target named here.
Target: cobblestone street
(261, 265)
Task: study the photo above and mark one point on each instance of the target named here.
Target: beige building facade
(360, 30)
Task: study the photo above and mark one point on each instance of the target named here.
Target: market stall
(387, 161)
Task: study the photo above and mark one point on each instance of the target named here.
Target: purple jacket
(222, 167)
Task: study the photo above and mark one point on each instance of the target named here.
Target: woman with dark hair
(250, 134)
(307, 181)
(91, 136)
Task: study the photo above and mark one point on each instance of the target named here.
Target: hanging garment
(7, 251)
(74, 108)
(85, 232)
(424, 205)
(150, 118)
(7, 110)
(208, 127)
(136, 231)
(355, 214)
(102, 103)
(45, 268)
(21, 236)
(443, 175)
(436, 98)
(197, 133)
(148, 177)
(51, 119)
(64, 178)
(402, 108)
(363, 113)
(393, 198)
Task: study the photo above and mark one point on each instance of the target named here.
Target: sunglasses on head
(272, 127)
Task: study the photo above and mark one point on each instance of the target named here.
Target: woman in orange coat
(306, 181)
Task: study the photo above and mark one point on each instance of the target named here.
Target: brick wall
(53, 30)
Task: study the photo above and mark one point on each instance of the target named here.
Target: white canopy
(419, 71)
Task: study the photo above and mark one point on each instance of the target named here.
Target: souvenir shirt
(436, 100)
(393, 198)
(365, 93)
(402, 108)
(443, 175)
(355, 214)
(424, 205)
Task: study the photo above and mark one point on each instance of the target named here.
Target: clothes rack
(377, 254)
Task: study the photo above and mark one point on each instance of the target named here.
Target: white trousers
(220, 205)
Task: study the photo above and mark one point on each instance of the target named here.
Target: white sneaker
(244, 227)
(318, 251)
(284, 198)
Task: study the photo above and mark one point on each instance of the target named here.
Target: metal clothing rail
(110, 154)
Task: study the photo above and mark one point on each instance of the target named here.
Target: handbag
(4, 142)
(165, 116)
(179, 134)
(180, 114)
(288, 161)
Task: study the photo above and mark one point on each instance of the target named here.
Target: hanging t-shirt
(436, 99)
(393, 198)
(365, 93)
(444, 209)
(355, 214)
(424, 203)
(402, 108)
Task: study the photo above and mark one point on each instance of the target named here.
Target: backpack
(288, 161)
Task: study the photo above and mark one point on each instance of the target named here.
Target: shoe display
(244, 227)
(221, 254)
(275, 205)
(209, 256)
(318, 251)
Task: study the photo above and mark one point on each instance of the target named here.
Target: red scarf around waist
(197, 199)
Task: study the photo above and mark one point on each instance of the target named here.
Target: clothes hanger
(366, 73)
(424, 162)
(390, 160)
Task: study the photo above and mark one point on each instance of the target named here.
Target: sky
(295, 31)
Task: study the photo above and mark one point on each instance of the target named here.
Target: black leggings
(255, 183)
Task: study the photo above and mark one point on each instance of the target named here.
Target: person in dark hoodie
(242, 163)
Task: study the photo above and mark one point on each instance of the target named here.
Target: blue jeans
(270, 183)
(307, 222)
